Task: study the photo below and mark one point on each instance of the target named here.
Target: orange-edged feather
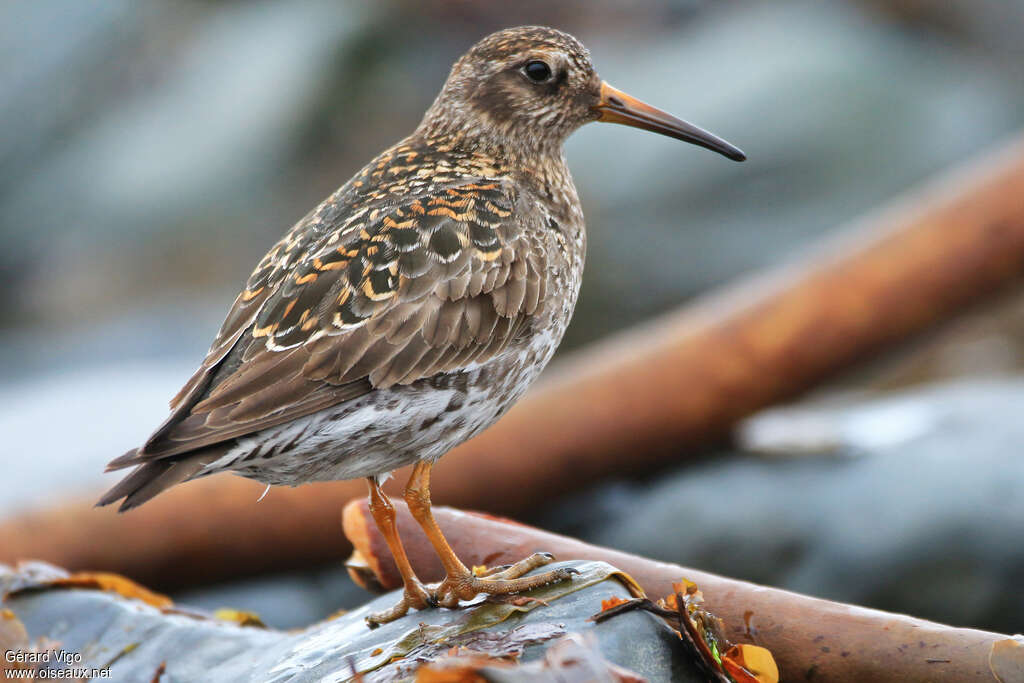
(387, 296)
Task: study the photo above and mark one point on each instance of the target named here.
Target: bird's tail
(153, 477)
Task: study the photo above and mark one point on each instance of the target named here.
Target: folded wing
(395, 294)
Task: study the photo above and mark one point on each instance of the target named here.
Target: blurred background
(151, 152)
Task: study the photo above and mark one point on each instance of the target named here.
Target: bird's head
(528, 88)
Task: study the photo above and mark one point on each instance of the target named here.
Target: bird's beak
(616, 106)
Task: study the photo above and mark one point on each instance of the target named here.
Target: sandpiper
(413, 307)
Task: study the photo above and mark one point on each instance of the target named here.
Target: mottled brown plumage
(412, 307)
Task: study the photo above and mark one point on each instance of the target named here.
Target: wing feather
(391, 295)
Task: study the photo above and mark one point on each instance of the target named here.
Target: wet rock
(134, 639)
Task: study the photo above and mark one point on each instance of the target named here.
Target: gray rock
(916, 507)
(132, 638)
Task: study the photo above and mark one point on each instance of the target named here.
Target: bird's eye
(537, 71)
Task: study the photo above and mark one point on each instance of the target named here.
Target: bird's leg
(416, 595)
(460, 583)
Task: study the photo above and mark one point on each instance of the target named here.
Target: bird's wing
(395, 294)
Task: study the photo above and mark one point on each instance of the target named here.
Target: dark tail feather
(152, 478)
(127, 460)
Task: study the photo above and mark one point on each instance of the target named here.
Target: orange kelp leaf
(686, 587)
(113, 583)
(703, 635)
(613, 601)
(750, 664)
(239, 617)
(13, 635)
(456, 670)
(743, 663)
(430, 675)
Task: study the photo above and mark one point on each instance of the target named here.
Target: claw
(449, 592)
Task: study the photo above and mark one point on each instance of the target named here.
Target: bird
(412, 308)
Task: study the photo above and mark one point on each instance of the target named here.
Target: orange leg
(460, 583)
(416, 595)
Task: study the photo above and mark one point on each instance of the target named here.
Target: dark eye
(537, 71)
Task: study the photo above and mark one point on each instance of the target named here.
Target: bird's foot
(514, 571)
(466, 585)
(415, 596)
(499, 580)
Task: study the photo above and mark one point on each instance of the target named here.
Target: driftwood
(632, 402)
(811, 639)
